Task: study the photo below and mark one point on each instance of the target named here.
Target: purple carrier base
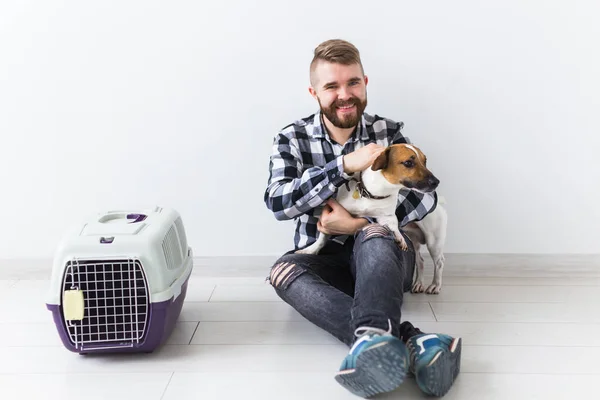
(161, 322)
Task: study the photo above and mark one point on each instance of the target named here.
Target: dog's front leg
(392, 223)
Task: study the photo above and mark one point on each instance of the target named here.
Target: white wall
(147, 102)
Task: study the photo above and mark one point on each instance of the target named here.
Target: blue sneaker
(434, 361)
(377, 363)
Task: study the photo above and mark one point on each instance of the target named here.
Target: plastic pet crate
(119, 281)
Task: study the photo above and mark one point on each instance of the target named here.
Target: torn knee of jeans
(283, 273)
(375, 230)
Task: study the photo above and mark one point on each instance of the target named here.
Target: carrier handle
(136, 217)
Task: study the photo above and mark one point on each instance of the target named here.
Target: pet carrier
(119, 281)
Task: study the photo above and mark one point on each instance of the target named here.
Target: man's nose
(344, 94)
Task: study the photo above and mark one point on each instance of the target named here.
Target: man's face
(341, 91)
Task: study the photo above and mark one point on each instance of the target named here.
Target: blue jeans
(360, 283)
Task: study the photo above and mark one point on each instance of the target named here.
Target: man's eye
(408, 164)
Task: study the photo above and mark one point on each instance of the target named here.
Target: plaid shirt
(306, 169)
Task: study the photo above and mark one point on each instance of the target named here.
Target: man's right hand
(362, 158)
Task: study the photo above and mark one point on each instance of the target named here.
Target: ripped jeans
(360, 283)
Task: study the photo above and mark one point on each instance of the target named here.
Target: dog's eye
(408, 164)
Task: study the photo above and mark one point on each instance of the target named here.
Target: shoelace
(364, 333)
(363, 330)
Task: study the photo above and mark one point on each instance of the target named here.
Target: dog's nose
(433, 181)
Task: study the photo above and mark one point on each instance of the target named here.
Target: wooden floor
(531, 330)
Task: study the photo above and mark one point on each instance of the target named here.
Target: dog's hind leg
(418, 286)
(433, 227)
(435, 246)
(435, 250)
(416, 236)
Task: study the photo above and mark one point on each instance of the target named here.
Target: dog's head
(405, 164)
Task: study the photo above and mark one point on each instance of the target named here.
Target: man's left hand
(335, 220)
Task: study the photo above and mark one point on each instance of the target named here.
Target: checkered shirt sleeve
(293, 190)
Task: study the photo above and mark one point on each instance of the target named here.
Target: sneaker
(434, 361)
(377, 363)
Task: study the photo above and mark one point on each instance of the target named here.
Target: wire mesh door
(116, 303)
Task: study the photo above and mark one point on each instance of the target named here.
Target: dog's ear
(381, 162)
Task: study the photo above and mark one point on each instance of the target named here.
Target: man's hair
(335, 51)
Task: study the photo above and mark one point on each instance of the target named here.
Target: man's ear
(381, 162)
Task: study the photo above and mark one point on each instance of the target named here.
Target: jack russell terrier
(375, 194)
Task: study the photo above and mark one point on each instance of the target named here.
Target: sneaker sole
(438, 377)
(378, 370)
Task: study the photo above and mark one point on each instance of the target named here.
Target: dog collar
(361, 190)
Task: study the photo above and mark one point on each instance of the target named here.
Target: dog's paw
(302, 251)
(434, 289)
(401, 242)
(418, 287)
(307, 250)
(404, 246)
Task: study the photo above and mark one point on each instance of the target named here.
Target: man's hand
(335, 220)
(362, 158)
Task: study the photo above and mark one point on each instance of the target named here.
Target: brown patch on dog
(401, 165)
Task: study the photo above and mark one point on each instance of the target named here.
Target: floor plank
(278, 358)
(519, 334)
(75, 386)
(273, 311)
(450, 293)
(252, 385)
(43, 334)
(517, 312)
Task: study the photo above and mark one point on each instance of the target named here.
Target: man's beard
(348, 121)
